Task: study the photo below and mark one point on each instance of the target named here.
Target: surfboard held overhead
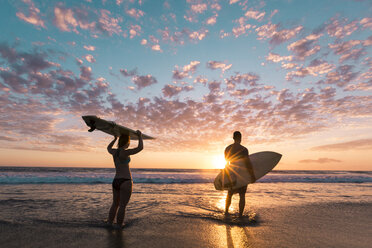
(110, 127)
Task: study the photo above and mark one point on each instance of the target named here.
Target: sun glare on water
(219, 162)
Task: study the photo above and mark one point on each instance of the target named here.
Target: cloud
(360, 144)
(345, 49)
(315, 68)
(198, 35)
(156, 47)
(173, 90)
(144, 81)
(108, 24)
(305, 47)
(186, 70)
(212, 20)
(33, 17)
(127, 73)
(277, 58)
(89, 48)
(251, 14)
(341, 29)
(218, 65)
(276, 36)
(6, 138)
(250, 79)
(135, 13)
(366, 22)
(90, 58)
(70, 19)
(341, 77)
(320, 161)
(135, 30)
(199, 8)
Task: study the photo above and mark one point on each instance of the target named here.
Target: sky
(294, 77)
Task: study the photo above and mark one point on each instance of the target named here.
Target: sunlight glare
(219, 162)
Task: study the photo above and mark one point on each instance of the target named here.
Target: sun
(219, 162)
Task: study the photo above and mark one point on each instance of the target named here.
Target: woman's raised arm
(109, 147)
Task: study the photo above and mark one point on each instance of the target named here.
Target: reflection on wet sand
(115, 238)
(239, 237)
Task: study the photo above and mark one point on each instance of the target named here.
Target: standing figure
(234, 153)
(122, 183)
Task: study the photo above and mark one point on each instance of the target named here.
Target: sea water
(83, 195)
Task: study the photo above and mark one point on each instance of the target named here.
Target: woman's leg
(125, 193)
(114, 206)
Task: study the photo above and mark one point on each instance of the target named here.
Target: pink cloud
(305, 47)
(277, 58)
(127, 73)
(33, 17)
(341, 77)
(360, 144)
(320, 161)
(156, 47)
(233, 1)
(89, 48)
(90, 58)
(288, 65)
(86, 73)
(245, 79)
(65, 18)
(108, 24)
(341, 29)
(173, 90)
(315, 68)
(144, 81)
(199, 8)
(198, 35)
(252, 14)
(186, 70)
(276, 36)
(345, 49)
(135, 30)
(135, 13)
(211, 20)
(218, 65)
(366, 22)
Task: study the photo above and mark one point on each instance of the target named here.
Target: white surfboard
(110, 127)
(236, 175)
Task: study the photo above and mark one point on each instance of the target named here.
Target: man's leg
(242, 192)
(228, 201)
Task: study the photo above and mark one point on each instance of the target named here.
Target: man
(234, 153)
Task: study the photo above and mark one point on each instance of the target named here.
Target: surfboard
(236, 175)
(110, 127)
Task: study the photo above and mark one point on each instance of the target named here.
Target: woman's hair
(123, 140)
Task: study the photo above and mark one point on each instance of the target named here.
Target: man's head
(237, 137)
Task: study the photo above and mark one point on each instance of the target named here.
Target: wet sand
(310, 225)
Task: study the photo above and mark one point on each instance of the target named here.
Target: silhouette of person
(234, 153)
(122, 183)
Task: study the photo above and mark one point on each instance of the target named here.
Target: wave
(180, 180)
(63, 175)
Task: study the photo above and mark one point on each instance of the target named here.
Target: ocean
(39, 198)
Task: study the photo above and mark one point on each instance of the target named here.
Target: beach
(277, 214)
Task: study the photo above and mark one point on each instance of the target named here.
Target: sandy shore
(314, 225)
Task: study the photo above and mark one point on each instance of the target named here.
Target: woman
(122, 183)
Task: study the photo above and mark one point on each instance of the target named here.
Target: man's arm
(248, 165)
